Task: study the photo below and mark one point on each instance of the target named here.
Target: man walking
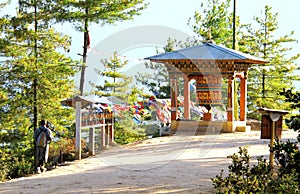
(42, 138)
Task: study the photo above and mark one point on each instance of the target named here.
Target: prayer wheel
(209, 89)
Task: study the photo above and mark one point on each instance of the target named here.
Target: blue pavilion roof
(207, 51)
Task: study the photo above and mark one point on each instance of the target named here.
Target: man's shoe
(38, 170)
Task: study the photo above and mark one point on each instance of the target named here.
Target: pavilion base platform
(191, 127)
(241, 126)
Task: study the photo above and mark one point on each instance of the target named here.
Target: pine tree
(157, 81)
(84, 12)
(35, 77)
(266, 82)
(215, 23)
(116, 83)
(3, 41)
(34, 68)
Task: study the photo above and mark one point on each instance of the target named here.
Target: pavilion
(209, 65)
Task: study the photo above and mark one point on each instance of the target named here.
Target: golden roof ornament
(209, 38)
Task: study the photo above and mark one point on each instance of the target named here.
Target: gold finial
(209, 38)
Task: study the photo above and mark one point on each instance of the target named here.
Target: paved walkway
(172, 164)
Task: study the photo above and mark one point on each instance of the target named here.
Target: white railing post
(78, 131)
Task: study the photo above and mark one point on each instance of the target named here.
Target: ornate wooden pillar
(243, 99)
(174, 103)
(230, 103)
(187, 100)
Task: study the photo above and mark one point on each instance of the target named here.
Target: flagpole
(233, 28)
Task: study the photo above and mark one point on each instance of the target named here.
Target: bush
(128, 135)
(152, 129)
(287, 183)
(127, 132)
(287, 157)
(14, 163)
(260, 178)
(20, 167)
(242, 178)
(66, 147)
(4, 167)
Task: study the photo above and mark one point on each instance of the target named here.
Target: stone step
(199, 130)
(205, 130)
(246, 129)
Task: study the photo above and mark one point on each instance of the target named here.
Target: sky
(134, 40)
(175, 14)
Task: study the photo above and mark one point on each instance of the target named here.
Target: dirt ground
(172, 164)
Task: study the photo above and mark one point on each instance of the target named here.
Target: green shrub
(287, 156)
(261, 178)
(20, 167)
(4, 167)
(152, 129)
(66, 147)
(128, 135)
(14, 163)
(242, 178)
(127, 132)
(286, 183)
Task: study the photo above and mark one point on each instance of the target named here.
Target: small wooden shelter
(90, 119)
(271, 126)
(268, 121)
(209, 64)
(71, 102)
